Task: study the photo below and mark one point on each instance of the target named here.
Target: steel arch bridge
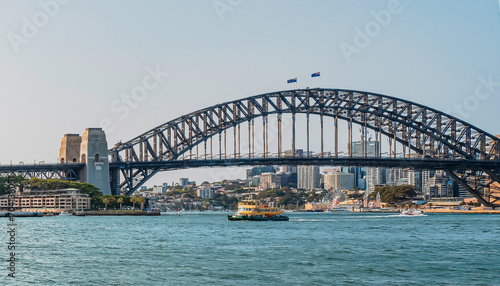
(426, 137)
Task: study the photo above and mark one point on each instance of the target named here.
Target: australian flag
(316, 74)
(291, 80)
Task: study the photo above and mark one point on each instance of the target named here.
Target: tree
(141, 200)
(394, 194)
(206, 204)
(134, 199)
(107, 200)
(9, 183)
(120, 201)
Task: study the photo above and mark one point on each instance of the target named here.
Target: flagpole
(320, 81)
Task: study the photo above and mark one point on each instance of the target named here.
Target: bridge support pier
(94, 154)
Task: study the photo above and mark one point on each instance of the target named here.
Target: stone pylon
(94, 153)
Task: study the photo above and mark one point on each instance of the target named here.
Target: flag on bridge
(292, 80)
(316, 74)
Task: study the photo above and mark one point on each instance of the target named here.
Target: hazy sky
(64, 66)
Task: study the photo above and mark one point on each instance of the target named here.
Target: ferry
(254, 210)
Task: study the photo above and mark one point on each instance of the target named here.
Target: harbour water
(205, 248)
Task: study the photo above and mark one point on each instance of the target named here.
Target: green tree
(134, 199)
(394, 194)
(120, 200)
(107, 200)
(10, 182)
(141, 201)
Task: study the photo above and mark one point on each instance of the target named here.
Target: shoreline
(447, 211)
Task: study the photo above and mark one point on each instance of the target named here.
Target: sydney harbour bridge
(317, 121)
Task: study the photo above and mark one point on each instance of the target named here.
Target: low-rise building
(64, 199)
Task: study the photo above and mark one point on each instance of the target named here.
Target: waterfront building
(315, 206)
(64, 199)
(308, 177)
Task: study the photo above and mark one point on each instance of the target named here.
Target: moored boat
(254, 210)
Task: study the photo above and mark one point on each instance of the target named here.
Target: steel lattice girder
(424, 130)
(48, 171)
(412, 124)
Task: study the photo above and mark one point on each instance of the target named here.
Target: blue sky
(68, 74)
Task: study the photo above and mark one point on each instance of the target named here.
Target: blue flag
(291, 80)
(316, 74)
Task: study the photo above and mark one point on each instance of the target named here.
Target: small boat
(412, 212)
(337, 210)
(254, 210)
(65, 214)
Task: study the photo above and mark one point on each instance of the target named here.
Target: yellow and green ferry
(254, 210)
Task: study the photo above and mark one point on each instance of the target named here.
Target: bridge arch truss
(420, 132)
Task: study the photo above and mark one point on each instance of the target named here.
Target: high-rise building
(183, 182)
(374, 176)
(339, 181)
(415, 179)
(298, 153)
(270, 181)
(358, 173)
(394, 176)
(426, 176)
(159, 189)
(440, 185)
(372, 149)
(256, 171)
(308, 177)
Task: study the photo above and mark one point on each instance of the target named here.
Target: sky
(66, 65)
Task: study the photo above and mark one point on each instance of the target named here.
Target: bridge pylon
(94, 154)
